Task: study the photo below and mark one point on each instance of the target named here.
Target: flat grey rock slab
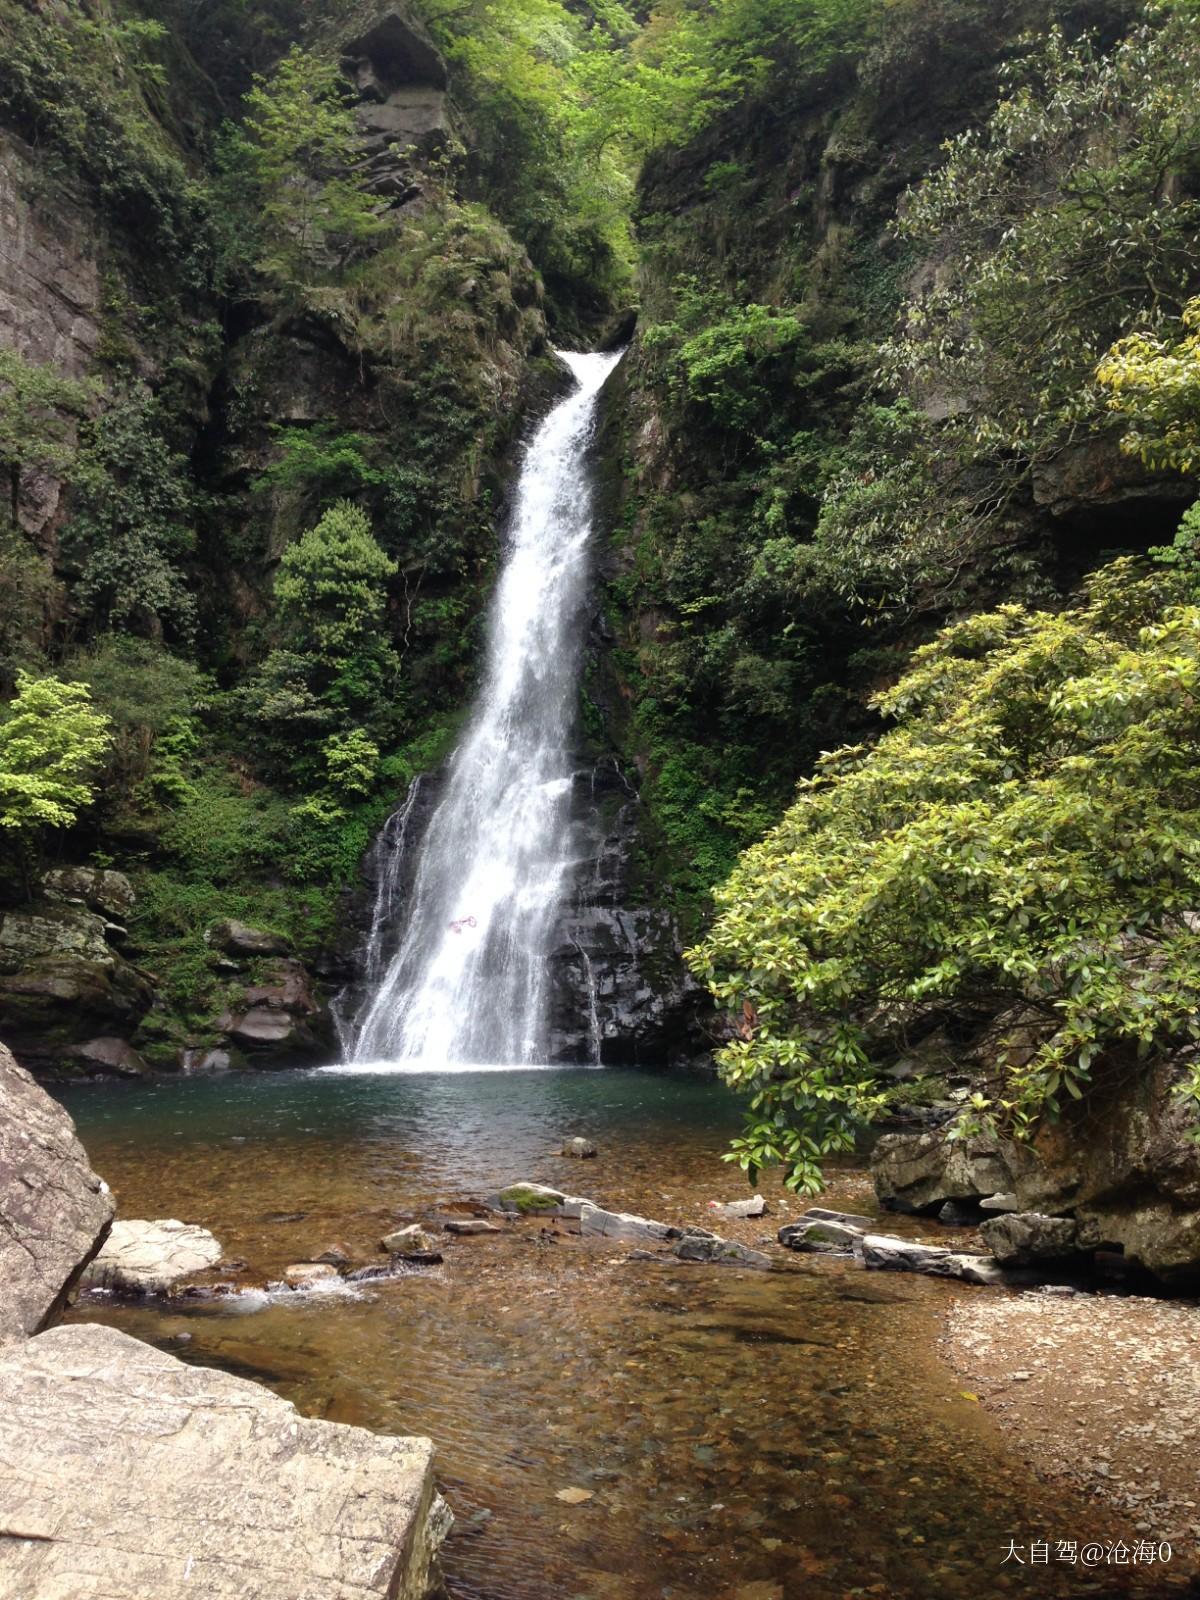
(848, 1219)
(699, 1246)
(817, 1234)
(54, 1210)
(126, 1475)
(882, 1253)
(623, 1227)
(150, 1257)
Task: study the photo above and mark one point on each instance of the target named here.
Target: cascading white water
(467, 981)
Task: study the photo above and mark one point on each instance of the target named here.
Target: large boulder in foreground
(54, 1210)
(127, 1475)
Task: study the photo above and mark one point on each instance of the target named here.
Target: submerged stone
(406, 1241)
(754, 1207)
(301, 1273)
(582, 1149)
(697, 1246)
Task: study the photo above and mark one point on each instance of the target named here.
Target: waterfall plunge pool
(790, 1435)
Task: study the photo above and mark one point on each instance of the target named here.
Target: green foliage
(150, 697)
(232, 40)
(330, 588)
(336, 666)
(351, 762)
(86, 92)
(1154, 384)
(1025, 842)
(544, 88)
(725, 366)
(39, 416)
(692, 62)
(1063, 223)
(52, 741)
(132, 522)
(287, 182)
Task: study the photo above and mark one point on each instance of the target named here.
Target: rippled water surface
(789, 1435)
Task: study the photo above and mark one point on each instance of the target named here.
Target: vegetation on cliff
(916, 342)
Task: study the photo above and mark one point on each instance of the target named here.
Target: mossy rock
(530, 1199)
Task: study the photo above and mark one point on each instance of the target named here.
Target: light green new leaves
(1024, 843)
(51, 742)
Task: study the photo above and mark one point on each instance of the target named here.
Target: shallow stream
(742, 1435)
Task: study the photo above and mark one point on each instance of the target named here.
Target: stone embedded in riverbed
(151, 1257)
(696, 1245)
(581, 1149)
(529, 1200)
(883, 1253)
(848, 1219)
(819, 1234)
(54, 1210)
(470, 1226)
(623, 1227)
(128, 1475)
(733, 1209)
(301, 1274)
(412, 1240)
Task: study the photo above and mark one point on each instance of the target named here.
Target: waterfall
(385, 868)
(467, 981)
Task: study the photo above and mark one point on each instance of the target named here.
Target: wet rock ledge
(126, 1474)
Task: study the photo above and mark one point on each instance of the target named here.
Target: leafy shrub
(1023, 844)
(132, 522)
(52, 742)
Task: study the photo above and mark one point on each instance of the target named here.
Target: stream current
(790, 1435)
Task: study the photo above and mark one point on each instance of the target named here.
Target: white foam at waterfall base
(422, 1067)
(465, 990)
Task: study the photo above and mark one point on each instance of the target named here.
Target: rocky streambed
(124, 1472)
(614, 1420)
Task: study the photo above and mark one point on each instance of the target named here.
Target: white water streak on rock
(467, 982)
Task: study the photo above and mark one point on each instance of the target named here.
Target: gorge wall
(275, 364)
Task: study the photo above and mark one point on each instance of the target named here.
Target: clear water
(790, 1435)
(466, 983)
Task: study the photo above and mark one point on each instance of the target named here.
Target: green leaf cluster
(1023, 844)
(52, 742)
